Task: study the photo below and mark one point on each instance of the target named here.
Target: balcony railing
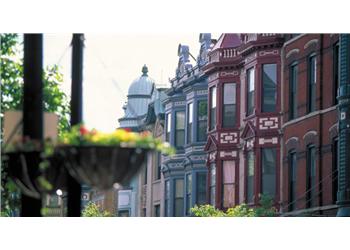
(223, 54)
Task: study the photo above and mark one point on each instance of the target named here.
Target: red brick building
(310, 84)
(243, 145)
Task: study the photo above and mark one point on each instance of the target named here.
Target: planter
(102, 166)
(31, 180)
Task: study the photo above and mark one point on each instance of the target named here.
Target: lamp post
(343, 196)
(32, 105)
(74, 188)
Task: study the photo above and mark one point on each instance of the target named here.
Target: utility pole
(74, 188)
(32, 106)
(343, 196)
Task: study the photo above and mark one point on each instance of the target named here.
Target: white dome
(142, 85)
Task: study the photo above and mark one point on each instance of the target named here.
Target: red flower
(83, 130)
(127, 129)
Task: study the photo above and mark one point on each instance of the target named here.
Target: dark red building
(310, 130)
(243, 146)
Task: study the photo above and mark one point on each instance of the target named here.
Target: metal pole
(343, 196)
(74, 188)
(32, 105)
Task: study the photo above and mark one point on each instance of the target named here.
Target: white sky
(123, 54)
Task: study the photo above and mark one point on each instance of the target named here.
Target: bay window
(269, 161)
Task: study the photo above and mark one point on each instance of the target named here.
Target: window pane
(212, 184)
(269, 171)
(228, 184)
(229, 115)
(179, 195)
(157, 211)
(229, 93)
(201, 188)
(312, 83)
(202, 121)
(335, 73)
(168, 127)
(292, 180)
(189, 122)
(188, 193)
(293, 92)
(180, 120)
(213, 108)
(250, 174)
(250, 90)
(311, 173)
(213, 97)
(180, 129)
(269, 87)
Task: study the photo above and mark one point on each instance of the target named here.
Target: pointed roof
(248, 131)
(228, 40)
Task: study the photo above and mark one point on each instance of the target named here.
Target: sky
(112, 62)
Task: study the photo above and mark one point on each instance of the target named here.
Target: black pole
(343, 197)
(74, 188)
(32, 106)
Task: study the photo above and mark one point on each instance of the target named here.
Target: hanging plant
(45, 174)
(102, 159)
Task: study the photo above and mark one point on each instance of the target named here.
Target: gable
(248, 131)
(211, 143)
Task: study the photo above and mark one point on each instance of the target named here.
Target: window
(212, 183)
(180, 129)
(229, 105)
(212, 108)
(293, 76)
(269, 171)
(188, 194)
(335, 73)
(311, 176)
(228, 184)
(168, 127)
(145, 175)
(179, 198)
(202, 120)
(250, 175)
(167, 199)
(269, 87)
(157, 210)
(292, 180)
(189, 122)
(201, 183)
(312, 76)
(123, 213)
(158, 166)
(335, 168)
(250, 91)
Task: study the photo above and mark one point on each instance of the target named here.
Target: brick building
(310, 130)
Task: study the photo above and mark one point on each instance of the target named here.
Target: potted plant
(34, 168)
(101, 159)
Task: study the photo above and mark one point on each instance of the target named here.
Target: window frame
(263, 99)
(212, 187)
(188, 193)
(179, 199)
(201, 192)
